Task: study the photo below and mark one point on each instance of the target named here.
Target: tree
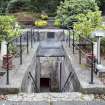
(70, 8)
(87, 23)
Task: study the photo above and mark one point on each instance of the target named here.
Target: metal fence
(79, 45)
(16, 49)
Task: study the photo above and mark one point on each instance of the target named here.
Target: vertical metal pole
(38, 36)
(31, 39)
(73, 41)
(92, 67)
(27, 43)
(7, 64)
(79, 50)
(98, 50)
(60, 75)
(20, 50)
(69, 38)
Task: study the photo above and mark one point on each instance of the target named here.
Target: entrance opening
(44, 85)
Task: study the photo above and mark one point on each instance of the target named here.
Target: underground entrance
(45, 84)
(51, 71)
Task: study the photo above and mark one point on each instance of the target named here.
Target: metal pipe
(92, 65)
(7, 64)
(31, 39)
(27, 43)
(69, 38)
(79, 50)
(60, 75)
(20, 50)
(35, 88)
(73, 41)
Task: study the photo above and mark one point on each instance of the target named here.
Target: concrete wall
(27, 81)
(43, 35)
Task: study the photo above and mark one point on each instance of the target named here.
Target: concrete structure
(55, 69)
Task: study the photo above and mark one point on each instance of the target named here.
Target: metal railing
(34, 82)
(70, 76)
(22, 45)
(78, 45)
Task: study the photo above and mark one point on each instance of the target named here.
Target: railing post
(20, 50)
(38, 39)
(7, 64)
(69, 38)
(60, 74)
(92, 67)
(79, 50)
(27, 43)
(31, 38)
(73, 42)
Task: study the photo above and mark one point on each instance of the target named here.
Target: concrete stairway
(50, 97)
(73, 98)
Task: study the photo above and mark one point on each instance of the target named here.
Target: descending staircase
(50, 97)
(73, 98)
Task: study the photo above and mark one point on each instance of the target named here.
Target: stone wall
(27, 82)
(43, 35)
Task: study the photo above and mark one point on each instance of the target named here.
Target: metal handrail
(91, 43)
(35, 88)
(69, 78)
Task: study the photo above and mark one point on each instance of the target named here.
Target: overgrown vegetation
(7, 28)
(41, 23)
(87, 23)
(68, 9)
(49, 6)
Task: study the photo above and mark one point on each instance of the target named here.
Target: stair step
(69, 96)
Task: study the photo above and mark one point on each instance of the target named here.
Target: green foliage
(41, 23)
(44, 17)
(49, 6)
(7, 28)
(70, 8)
(87, 23)
(18, 5)
(57, 23)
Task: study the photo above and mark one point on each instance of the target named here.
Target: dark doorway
(44, 84)
(50, 35)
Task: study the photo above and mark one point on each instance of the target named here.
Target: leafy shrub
(41, 23)
(70, 8)
(44, 17)
(18, 5)
(57, 23)
(7, 28)
(87, 23)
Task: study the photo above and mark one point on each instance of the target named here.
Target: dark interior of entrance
(44, 84)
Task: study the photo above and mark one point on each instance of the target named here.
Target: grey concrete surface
(18, 74)
(82, 75)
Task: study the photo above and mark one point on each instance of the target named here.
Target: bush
(70, 8)
(18, 5)
(7, 28)
(57, 23)
(41, 23)
(44, 17)
(87, 23)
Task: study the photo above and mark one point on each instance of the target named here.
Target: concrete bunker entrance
(50, 54)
